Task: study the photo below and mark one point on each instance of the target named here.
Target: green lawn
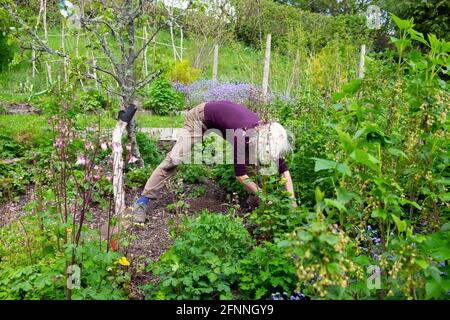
(31, 128)
(236, 63)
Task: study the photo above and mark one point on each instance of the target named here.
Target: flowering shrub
(206, 90)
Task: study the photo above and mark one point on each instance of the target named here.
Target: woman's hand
(290, 187)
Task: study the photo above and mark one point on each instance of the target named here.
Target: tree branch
(148, 79)
(146, 44)
(43, 46)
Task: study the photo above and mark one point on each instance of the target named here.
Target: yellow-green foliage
(183, 72)
(334, 65)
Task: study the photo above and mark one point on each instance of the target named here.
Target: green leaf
(323, 164)
(318, 194)
(412, 203)
(421, 263)
(329, 238)
(283, 243)
(26, 286)
(335, 204)
(260, 292)
(344, 196)
(434, 273)
(415, 35)
(401, 225)
(304, 236)
(351, 87)
(397, 153)
(346, 141)
(335, 97)
(212, 276)
(344, 169)
(402, 24)
(445, 196)
(433, 289)
(379, 213)
(364, 158)
(333, 267)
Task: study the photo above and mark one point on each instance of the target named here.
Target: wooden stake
(118, 166)
(145, 63)
(265, 83)
(38, 21)
(215, 64)
(44, 22)
(362, 57)
(63, 47)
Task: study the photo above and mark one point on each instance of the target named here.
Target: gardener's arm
(248, 183)
(289, 186)
(286, 175)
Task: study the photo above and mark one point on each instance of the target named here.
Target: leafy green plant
(265, 270)
(193, 173)
(274, 215)
(151, 154)
(6, 50)
(201, 264)
(224, 175)
(93, 100)
(33, 263)
(137, 177)
(388, 171)
(9, 148)
(198, 191)
(323, 256)
(162, 98)
(14, 178)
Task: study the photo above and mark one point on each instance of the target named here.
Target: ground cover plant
(370, 153)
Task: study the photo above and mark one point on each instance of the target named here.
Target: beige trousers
(193, 130)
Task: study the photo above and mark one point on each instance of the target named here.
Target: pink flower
(88, 145)
(104, 146)
(58, 142)
(81, 161)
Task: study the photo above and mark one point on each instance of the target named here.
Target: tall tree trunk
(130, 84)
(135, 153)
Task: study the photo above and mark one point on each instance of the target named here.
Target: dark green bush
(6, 51)
(93, 100)
(162, 99)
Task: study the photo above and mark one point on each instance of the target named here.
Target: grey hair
(272, 142)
